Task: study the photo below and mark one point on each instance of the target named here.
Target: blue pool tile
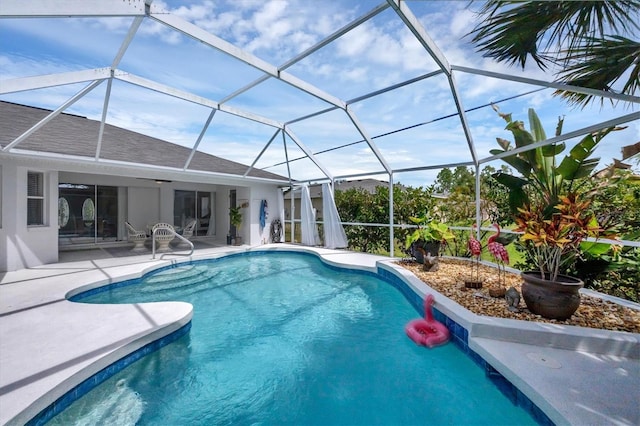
(44, 419)
(524, 402)
(540, 416)
(439, 316)
(504, 385)
(460, 344)
(104, 374)
(83, 388)
(532, 409)
(477, 358)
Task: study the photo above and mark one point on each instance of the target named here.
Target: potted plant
(552, 211)
(552, 244)
(427, 238)
(235, 218)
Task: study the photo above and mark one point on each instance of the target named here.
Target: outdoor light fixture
(158, 181)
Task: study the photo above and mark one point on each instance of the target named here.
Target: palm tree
(585, 39)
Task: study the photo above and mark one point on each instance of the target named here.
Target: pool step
(182, 277)
(178, 272)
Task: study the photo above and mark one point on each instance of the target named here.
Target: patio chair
(187, 232)
(164, 234)
(138, 238)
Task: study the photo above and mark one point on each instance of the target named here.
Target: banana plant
(541, 175)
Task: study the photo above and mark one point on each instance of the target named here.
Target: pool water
(281, 339)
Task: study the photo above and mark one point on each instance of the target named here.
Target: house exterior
(62, 184)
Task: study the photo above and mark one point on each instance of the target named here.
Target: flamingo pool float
(427, 331)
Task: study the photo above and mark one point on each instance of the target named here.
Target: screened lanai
(312, 92)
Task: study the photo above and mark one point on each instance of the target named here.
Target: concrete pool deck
(48, 344)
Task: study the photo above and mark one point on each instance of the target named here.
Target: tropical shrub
(547, 202)
(616, 200)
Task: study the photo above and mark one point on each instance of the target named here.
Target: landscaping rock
(451, 275)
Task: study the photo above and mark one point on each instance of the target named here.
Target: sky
(377, 54)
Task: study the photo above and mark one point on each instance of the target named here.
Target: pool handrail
(153, 243)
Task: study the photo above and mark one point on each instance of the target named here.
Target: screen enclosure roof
(303, 91)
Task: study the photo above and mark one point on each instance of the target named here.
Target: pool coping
(490, 339)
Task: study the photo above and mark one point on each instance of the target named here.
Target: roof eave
(72, 163)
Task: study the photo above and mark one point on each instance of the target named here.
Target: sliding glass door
(87, 213)
(189, 205)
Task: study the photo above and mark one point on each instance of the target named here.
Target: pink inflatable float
(427, 331)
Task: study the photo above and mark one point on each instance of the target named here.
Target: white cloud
(270, 13)
(462, 22)
(275, 30)
(354, 74)
(380, 46)
(15, 66)
(113, 25)
(413, 54)
(195, 12)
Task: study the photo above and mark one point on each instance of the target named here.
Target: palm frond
(599, 66)
(511, 31)
(508, 34)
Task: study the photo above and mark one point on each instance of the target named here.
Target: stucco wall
(251, 195)
(25, 246)
(259, 193)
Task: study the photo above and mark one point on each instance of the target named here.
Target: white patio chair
(164, 234)
(138, 238)
(187, 232)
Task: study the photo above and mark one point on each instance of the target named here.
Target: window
(35, 198)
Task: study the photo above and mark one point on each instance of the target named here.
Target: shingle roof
(368, 185)
(76, 135)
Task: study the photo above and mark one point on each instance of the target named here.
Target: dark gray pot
(551, 299)
(432, 247)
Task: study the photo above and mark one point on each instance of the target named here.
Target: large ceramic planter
(551, 299)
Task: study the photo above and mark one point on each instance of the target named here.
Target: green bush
(620, 278)
(362, 206)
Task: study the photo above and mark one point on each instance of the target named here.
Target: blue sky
(379, 53)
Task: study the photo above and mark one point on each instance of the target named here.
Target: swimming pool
(281, 339)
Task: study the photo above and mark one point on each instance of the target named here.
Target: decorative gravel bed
(451, 275)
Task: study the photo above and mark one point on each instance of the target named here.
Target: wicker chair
(187, 232)
(138, 238)
(164, 234)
